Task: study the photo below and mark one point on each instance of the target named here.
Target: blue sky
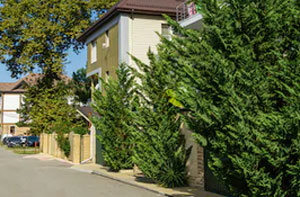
(75, 62)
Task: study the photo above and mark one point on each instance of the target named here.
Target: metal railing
(185, 10)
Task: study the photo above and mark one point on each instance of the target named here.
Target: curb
(81, 170)
(131, 184)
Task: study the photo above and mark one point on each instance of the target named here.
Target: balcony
(188, 16)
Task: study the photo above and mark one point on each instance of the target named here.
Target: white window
(166, 31)
(11, 102)
(106, 43)
(94, 52)
(10, 117)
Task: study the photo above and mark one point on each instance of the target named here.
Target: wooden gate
(99, 156)
(212, 184)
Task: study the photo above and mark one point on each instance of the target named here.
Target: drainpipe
(92, 134)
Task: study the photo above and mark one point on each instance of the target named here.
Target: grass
(25, 150)
(22, 150)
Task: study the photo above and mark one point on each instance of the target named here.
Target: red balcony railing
(186, 10)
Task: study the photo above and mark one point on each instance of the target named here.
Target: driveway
(20, 177)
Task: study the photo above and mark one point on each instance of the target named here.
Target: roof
(87, 112)
(147, 7)
(30, 80)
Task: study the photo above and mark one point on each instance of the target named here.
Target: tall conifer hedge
(240, 83)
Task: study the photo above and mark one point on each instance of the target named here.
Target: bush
(64, 144)
(159, 150)
(114, 105)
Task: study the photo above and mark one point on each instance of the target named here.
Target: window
(166, 31)
(94, 52)
(12, 130)
(106, 44)
(107, 76)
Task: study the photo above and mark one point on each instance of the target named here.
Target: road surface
(20, 177)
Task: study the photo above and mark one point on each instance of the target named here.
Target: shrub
(113, 105)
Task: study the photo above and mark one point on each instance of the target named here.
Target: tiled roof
(147, 7)
(30, 80)
(6, 86)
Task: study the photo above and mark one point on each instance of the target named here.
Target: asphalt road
(20, 177)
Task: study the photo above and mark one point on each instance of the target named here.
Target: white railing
(185, 10)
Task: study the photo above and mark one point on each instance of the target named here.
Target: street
(20, 177)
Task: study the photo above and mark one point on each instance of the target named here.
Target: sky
(74, 63)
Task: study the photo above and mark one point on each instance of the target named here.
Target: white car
(4, 136)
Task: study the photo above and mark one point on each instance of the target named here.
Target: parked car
(31, 140)
(5, 140)
(14, 142)
(5, 136)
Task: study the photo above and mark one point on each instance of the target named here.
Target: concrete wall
(195, 164)
(80, 147)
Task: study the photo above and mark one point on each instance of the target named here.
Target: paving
(127, 176)
(28, 176)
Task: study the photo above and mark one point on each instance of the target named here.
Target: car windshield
(32, 138)
(14, 139)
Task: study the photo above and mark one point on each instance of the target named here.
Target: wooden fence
(80, 147)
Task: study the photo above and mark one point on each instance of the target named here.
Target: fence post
(45, 143)
(85, 147)
(75, 147)
(41, 141)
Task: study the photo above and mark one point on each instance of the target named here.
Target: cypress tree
(239, 81)
(159, 150)
(113, 104)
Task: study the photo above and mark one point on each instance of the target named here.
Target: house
(127, 28)
(11, 98)
(130, 28)
(11, 95)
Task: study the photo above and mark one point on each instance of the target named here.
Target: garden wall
(80, 147)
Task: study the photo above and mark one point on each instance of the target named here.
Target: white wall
(142, 35)
(10, 117)
(11, 101)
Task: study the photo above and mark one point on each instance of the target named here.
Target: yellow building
(128, 28)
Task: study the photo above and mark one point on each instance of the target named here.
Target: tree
(46, 108)
(113, 104)
(239, 82)
(159, 150)
(36, 34)
(81, 86)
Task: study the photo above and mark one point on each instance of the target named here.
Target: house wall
(107, 58)
(142, 35)
(11, 102)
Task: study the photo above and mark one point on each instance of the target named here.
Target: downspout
(92, 133)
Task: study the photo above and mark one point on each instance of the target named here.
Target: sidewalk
(127, 177)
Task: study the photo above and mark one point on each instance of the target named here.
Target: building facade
(12, 95)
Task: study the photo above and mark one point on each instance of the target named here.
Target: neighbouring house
(130, 28)
(11, 96)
